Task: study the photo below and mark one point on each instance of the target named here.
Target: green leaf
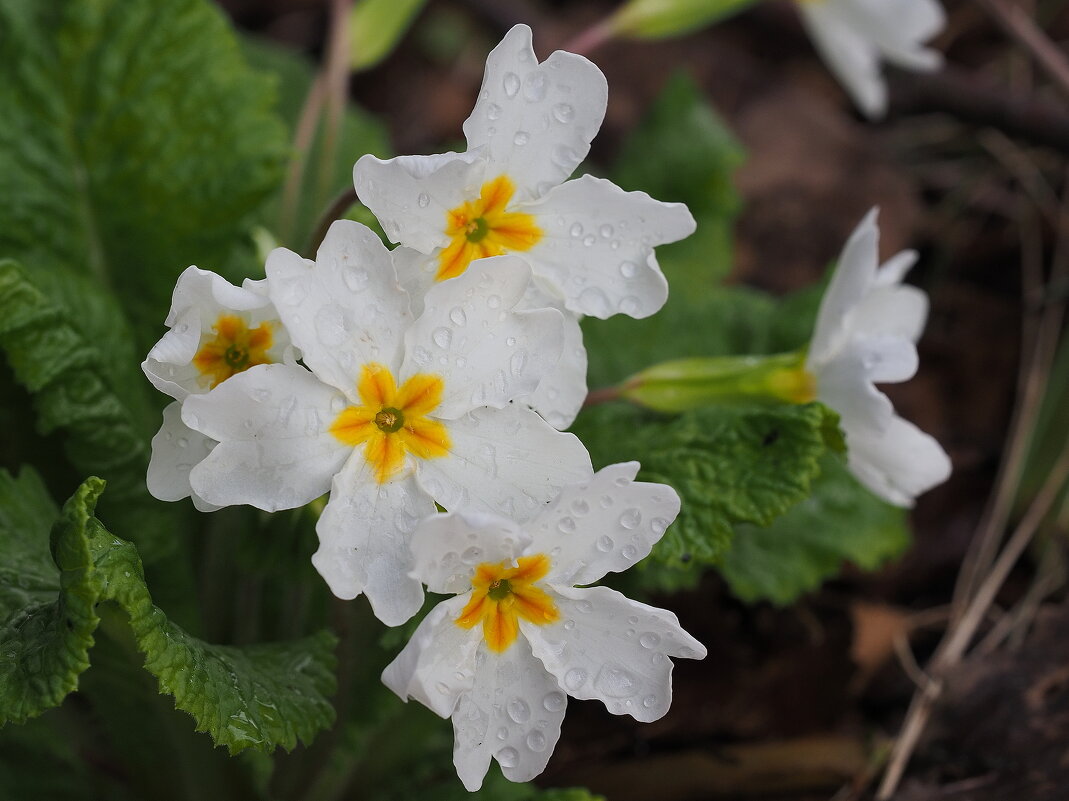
(375, 28)
(257, 696)
(656, 19)
(730, 465)
(135, 143)
(840, 522)
(66, 376)
(683, 151)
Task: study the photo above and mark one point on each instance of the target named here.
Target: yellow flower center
(501, 595)
(234, 349)
(482, 227)
(393, 422)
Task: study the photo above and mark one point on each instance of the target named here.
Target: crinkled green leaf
(258, 696)
(840, 522)
(135, 142)
(66, 376)
(730, 465)
(683, 151)
(375, 28)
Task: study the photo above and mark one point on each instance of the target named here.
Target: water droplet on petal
(534, 87)
(576, 230)
(566, 524)
(521, 138)
(442, 337)
(594, 301)
(631, 518)
(564, 113)
(605, 544)
(518, 710)
(423, 200)
(503, 733)
(493, 111)
(554, 702)
(580, 507)
(508, 757)
(649, 640)
(511, 83)
(575, 678)
(628, 269)
(615, 682)
(458, 317)
(536, 741)
(355, 278)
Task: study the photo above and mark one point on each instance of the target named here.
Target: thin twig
(604, 395)
(1022, 29)
(302, 145)
(333, 212)
(337, 89)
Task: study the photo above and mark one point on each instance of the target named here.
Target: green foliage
(115, 116)
(840, 522)
(375, 28)
(66, 376)
(683, 151)
(657, 19)
(259, 696)
(730, 465)
(327, 168)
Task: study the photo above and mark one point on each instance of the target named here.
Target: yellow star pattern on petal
(501, 595)
(392, 422)
(234, 349)
(483, 227)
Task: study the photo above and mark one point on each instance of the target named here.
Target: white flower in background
(501, 657)
(216, 331)
(854, 36)
(866, 333)
(392, 414)
(588, 242)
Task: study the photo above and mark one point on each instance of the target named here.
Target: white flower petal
(363, 539)
(893, 271)
(617, 650)
(416, 272)
(508, 461)
(275, 450)
(536, 121)
(438, 663)
(853, 279)
(560, 394)
(200, 298)
(604, 525)
(597, 246)
(898, 28)
(487, 353)
(846, 386)
(513, 712)
(344, 310)
(447, 547)
(176, 449)
(412, 195)
(894, 311)
(851, 56)
(898, 463)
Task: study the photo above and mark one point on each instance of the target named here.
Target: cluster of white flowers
(442, 372)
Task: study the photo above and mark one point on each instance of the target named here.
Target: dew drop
(564, 113)
(442, 687)
(534, 87)
(566, 524)
(521, 138)
(606, 231)
(628, 269)
(569, 625)
(589, 240)
(605, 544)
(576, 230)
(575, 678)
(442, 337)
(585, 607)
(615, 682)
(606, 501)
(510, 341)
(518, 710)
(536, 741)
(183, 442)
(594, 302)
(649, 701)
(493, 111)
(511, 83)
(649, 640)
(471, 556)
(631, 518)
(457, 316)
(494, 301)
(502, 733)
(580, 507)
(423, 200)
(629, 552)
(633, 620)
(355, 278)
(658, 526)
(421, 356)
(508, 757)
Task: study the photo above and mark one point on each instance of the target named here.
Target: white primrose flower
(854, 36)
(866, 332)
(501, 657)
(216, 331)
(588, 242)
(393, 414)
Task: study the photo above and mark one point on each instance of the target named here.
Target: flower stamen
(501, 595)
